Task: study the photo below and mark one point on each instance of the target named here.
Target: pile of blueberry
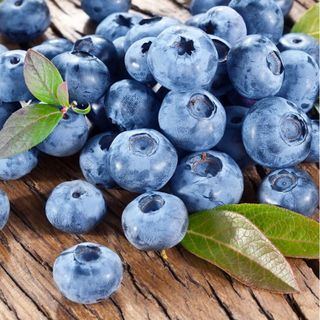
(177, 107)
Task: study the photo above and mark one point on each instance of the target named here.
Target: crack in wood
(93, 312)
(170, 269)
(45, 314)
(118, 308)
(4, 241)
(223, 306)
(312, 292)
(295, 307)
(135, 282)
(230, 280)
(262, 310)
(161, 305)
(314, 266)
(4, 300)
(45, 266)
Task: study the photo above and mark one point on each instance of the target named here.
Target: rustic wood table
(184, 287)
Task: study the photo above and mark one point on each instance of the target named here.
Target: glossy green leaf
(234, 244)
(42, 77)
(293, 234)
(309, 23)
(27, 127)
(63, 94)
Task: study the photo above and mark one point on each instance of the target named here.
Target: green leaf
(42, 77)
(293, 234)
(63, 94)
(309, 22)
(28, 127)
(234, 244)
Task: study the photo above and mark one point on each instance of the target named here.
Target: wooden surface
(184, 288)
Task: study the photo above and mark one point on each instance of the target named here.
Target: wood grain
(182, 288)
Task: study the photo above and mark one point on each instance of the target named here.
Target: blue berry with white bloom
(276, 133)
(68, 137)
(155, 221)
(136, 60)
(183, 58)
(97, 10)
(94, 160)
(88, 273)
(290, 188)
(17, 166)
(315, 143)
(75, 207)
(205, 180)
(142, 160)
(193, 121)
(301, 79)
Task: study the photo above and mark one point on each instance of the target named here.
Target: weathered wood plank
(183, 288)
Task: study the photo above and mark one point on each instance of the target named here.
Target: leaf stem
(164, 256)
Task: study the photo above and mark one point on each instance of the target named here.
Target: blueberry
(24, 20)
(87, 76)
(117, 25)
(99, 47)
(205, 180)
(136, 60)
(3, 48)
(193, 121)
(68, 137)
(17, 166)
(226, 23)
(276, 133)
(155, 221)
(6, 110)
(132, 105)
(12, 85)
(98, 118)
(75, 207)
(53, 47)
(255, 67)
(285, 6)
(4, 209)
(262, 17)
(150, 27)
(202, 6)
(314, 152)
(221, 83)
(301, 79)
(183, 58)
(232, 143)
(196, 21)
(300, 41)
(94, 160)
(290, 188)
(119, 45)
(142, 160)
(97, 10)
(88, 273)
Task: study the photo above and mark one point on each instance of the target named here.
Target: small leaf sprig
(31, 125)
(249, 242)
